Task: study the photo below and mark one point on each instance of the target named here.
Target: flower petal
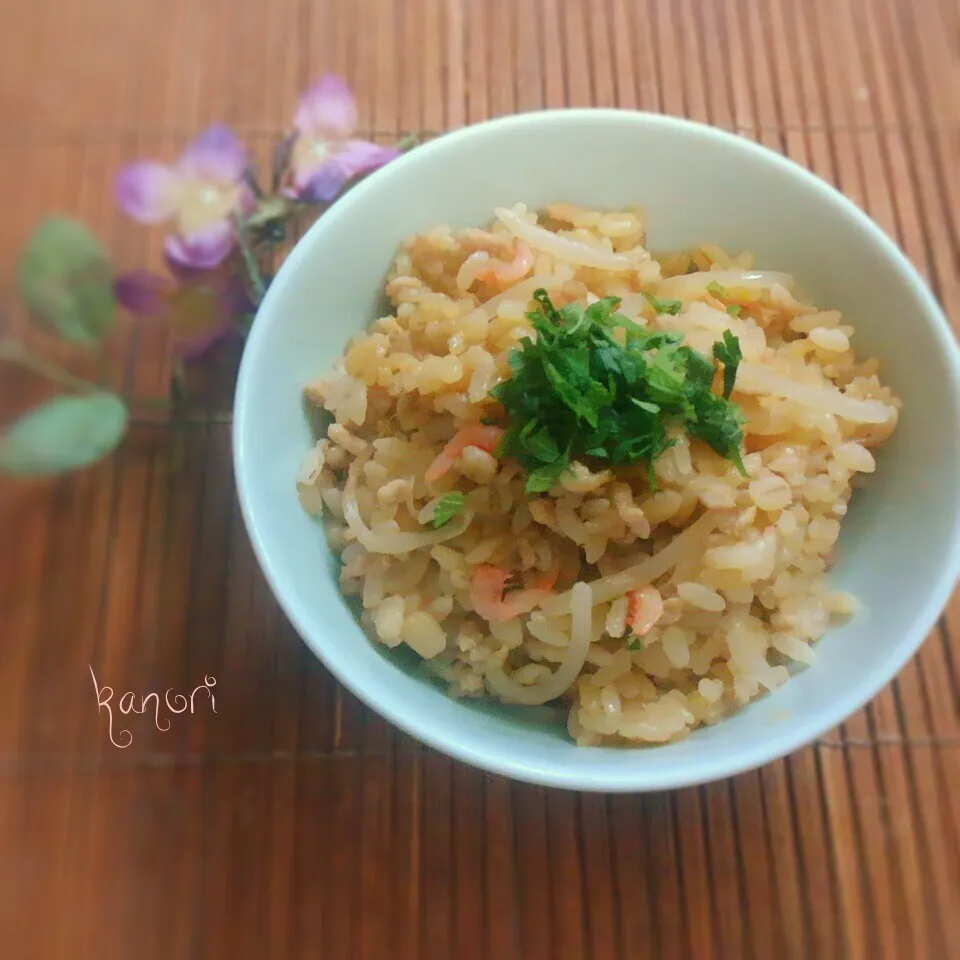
(194, 347)
(215, 155)
(308, 157)
(147, 191)
(202, 250)
(234, 298)
(327, 109)
(182, 272)
(142, 293)
(350, 159)
(198, 316)
(361, 156)
(248, 201)
(325, 184)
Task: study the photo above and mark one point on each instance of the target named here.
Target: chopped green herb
(634, 643)
(729, 354)
(540, 443)
(595, 384)
(542, 479)
(673, 307)
(699, 368)
(448, 506)
(720, 292)
(717, 422)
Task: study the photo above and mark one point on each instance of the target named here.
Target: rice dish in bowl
(642, 534)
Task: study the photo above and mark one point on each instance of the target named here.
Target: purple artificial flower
(230, 301)
(199, 310)
(201, 193)
(197, 346)
(142, 293)
(324, 155)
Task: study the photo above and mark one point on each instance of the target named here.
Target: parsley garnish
(673, 307)
(448, 506)
(729, 354)
(720, 292)
(577, 391)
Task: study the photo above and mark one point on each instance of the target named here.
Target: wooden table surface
(293, 822)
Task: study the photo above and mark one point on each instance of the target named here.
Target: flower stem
(281, 160)
(14, 352)
(250, 260)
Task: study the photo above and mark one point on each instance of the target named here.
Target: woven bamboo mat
(293, 822)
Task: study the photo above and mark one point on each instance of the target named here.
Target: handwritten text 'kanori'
(129, 703)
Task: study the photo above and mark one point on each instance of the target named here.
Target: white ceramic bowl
(900, 547)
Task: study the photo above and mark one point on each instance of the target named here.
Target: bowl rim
(785, 739)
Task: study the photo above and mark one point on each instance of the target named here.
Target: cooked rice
(737, 566)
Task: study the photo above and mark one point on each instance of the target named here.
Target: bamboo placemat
(293, 822)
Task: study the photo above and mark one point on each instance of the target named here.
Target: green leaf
(666, 377)
(718, 423)
(66, 433)
(700, 369)
(602, 311)
(729, 354)
(734, 309)
(542, 479)
(673, 307)
(547, 311)
(541, 445)
(448, 506)
(574, 317)
(66, 281)
(716, 290)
